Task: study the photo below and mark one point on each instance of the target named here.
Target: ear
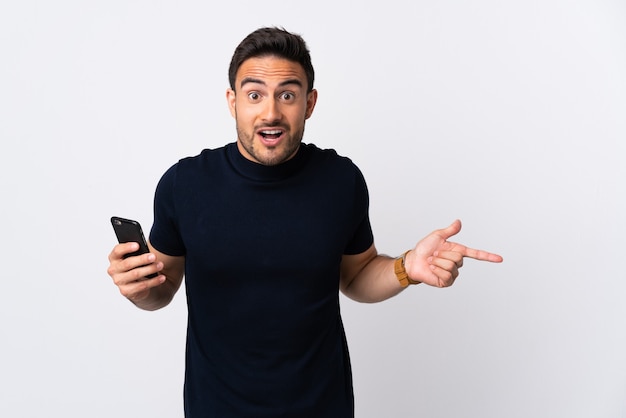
(231, 98)
(311, 99)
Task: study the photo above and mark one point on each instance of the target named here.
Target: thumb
(451, 230)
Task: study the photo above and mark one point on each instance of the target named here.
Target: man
(267, 231)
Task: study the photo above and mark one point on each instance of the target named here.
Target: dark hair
(272, 41)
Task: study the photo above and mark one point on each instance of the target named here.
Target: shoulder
(332, 168)
(209, 159)
(206, 156)
(330, 157)
(187, 169)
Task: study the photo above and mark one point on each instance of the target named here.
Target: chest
(278, 229)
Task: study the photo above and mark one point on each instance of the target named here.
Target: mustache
(271, 126)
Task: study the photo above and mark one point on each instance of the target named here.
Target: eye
(254, 96)
(287, 96)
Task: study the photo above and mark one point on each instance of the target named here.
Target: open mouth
(271, 134)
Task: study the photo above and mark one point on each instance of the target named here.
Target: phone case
(128, 230)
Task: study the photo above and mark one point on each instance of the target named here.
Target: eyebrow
(258, 81)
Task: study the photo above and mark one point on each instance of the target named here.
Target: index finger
(120, 250)
(482, 255)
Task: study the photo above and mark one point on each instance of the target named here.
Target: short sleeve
(363, 238)
(165, 232)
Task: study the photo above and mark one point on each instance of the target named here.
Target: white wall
(507, 115)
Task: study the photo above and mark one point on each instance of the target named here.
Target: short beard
(275, 155)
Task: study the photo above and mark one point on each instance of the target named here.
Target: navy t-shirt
(262, 248)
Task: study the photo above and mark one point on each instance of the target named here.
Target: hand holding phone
(128, 230)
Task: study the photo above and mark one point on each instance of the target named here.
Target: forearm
(375, 282)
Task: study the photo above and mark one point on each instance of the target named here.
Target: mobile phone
(128, 230)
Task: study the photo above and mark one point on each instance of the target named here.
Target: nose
(271, 111)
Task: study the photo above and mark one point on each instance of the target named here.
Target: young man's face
(270, 105)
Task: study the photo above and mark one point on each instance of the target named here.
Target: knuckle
(124, 291)
(135, 274)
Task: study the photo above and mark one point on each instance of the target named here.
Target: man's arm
(129, 275)
(370, 277)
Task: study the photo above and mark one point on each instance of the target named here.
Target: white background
(508, 115)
